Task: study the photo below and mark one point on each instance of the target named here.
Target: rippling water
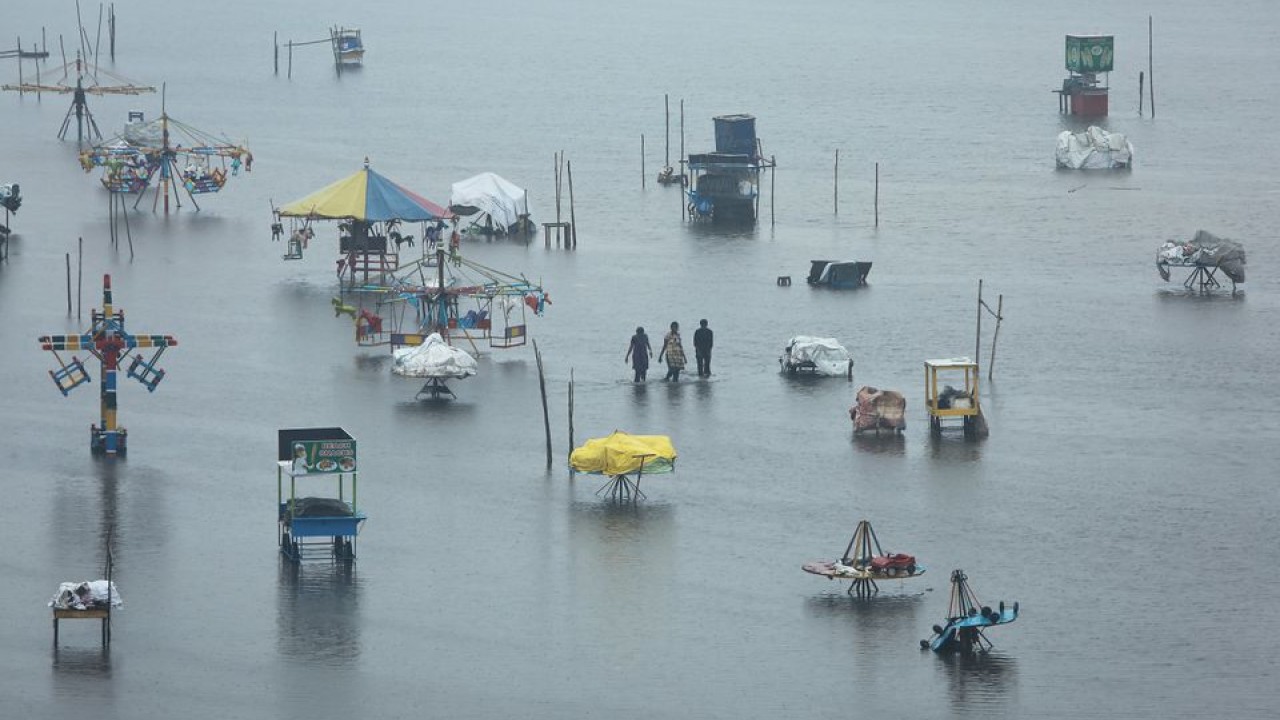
(1124, 496)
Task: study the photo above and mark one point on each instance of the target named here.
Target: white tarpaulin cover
(434, 358)
(68, 597)
(1093, 149)
(826, 356)
(492, 194)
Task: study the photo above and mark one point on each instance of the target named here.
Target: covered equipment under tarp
(874, 409)
(491, 195)
(366, 196)
(1093, 149)
(86, 595)
(1205, 250)
(622, 453)
(434, 358)
(818, 355)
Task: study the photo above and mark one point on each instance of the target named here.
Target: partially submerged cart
(317, 526)
(953, 404)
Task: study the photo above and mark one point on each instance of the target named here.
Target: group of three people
(639, 352)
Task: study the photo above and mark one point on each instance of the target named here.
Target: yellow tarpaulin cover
(617, 454)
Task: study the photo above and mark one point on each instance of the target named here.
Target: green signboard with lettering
(324, 456)
(1090, 53)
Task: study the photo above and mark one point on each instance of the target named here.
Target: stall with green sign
(315, 526)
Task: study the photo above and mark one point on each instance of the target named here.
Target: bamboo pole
(877, 200)
(836, 192)
(1140, 78)
(683, 164)
(773, 173)
(1151, 73)
(79, 277)
(111, 31)
(275, 43)
(97, 43)
(999, 317)
(542, 387)
(20, 82)
(573, 221)
(977, 340)
(68, 284)
(571, 410)
(666, 111)
(290, 71)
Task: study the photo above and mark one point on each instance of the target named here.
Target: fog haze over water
(1125, 496)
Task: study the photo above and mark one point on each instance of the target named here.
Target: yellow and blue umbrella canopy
(366, 196)
(622, 453)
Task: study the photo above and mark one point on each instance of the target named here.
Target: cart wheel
(911, 569)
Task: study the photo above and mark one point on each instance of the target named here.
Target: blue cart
(317, 526)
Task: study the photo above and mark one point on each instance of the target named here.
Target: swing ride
(620, 456)
(108, 341)
(966, 619)
(168, 151)
(461, 300)
(86, 126)
(864, 562)
(369, 208)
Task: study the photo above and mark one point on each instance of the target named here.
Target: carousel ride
(864, 562)
(967, 617)
(370, 210)
(170, 154)
(624, 459)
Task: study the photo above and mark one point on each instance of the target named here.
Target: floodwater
(1125, 497)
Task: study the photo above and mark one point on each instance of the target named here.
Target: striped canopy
(366, 196)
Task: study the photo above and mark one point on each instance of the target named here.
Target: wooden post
(97, 42)
(773, 172)
(836, 192)
(570, 410)
(542, 387)
(20, 82)
(275, 43)
(573, 222)
(666, 111)
(1140, 93)
(999, 317)
(977, 341)
(79, 277)
(1151, 73)
(877, 201)
(68, 284)
(683, 164)
(290, 70)
(642, 179)
(111, 30)
(37, 64)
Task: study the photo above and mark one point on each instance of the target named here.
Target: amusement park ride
(108, 341)
(864, 562)
(86, 127)
(180, 155)
(966, 619)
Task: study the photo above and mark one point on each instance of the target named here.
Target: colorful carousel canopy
(366, 196)
(622, 453)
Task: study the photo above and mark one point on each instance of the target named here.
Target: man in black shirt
(702, 341)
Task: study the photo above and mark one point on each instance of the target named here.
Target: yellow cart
(953, 401)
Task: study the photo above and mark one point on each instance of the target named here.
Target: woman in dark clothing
(639, 353)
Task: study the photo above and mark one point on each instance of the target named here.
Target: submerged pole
(836, 192)
(1151, 73)
(773, 173)
(999, 317)
(977, 341)
(275, 43)
(573, 220)
(68, 284)
(571, 410)
(1140, 78)
(111, 30)
(666, 110)
(542, 387)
